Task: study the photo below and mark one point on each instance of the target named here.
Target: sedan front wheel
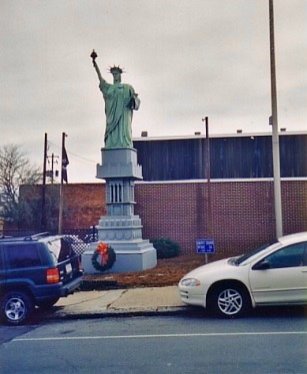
(229, 301)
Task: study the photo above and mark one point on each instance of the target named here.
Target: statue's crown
(114, 68)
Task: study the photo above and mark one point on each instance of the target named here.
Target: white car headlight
(190, 282)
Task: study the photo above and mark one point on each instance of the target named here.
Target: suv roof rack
(5, 237)
(36, 236)
(11, 239)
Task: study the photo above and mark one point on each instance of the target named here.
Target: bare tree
(15, 170)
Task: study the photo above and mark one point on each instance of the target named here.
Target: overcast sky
(187, 59)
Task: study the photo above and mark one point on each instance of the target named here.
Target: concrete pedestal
(134, 255)
(121, 228)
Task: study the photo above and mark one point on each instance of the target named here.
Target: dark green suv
(36, 271)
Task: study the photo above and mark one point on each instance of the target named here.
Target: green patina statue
(120, 101)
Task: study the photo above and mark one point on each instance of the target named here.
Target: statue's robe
(119, 99)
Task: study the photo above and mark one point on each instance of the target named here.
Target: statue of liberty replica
(120, 101)
(121, 228)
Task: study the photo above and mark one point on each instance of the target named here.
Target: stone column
(121, 228)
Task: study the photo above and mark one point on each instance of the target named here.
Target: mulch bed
(168, 272)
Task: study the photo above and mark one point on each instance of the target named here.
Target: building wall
(236, 156)
(242, 211)
(83, 204)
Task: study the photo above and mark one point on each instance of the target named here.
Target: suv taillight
(53, 275)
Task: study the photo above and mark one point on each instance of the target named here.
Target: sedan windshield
(239, 260)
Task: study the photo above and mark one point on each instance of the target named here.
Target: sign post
(205, 246)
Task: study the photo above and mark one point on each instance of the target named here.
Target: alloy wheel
(15, 309)
(230, 302)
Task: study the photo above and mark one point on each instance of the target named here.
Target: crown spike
(116, 68)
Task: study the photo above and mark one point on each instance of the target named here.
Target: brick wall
(242, 211)
(83, 204)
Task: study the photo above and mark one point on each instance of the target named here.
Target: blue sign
(205, 246)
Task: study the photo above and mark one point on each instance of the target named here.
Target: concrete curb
(167, 311)
(124, 313)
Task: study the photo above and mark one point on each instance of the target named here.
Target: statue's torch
(94, 56)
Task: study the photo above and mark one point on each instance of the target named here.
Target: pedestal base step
(136, 255)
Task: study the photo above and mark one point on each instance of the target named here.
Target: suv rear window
(22, 256)
(54, 247)
(61, 249)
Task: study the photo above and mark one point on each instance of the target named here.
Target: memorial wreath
(104, 257)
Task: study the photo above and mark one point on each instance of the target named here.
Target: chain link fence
(78, 238)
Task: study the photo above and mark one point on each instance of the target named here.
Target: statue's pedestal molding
(121, 228)
(119, 163)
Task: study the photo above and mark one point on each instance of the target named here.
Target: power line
(82, 158)
(74, 154)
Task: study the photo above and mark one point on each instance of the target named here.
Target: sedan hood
(208, 268)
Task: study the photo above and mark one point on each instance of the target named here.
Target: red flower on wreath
(103, 250)
(103, 257)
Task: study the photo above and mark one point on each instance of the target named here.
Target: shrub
(166, 248)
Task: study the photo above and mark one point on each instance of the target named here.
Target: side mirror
(262, 265)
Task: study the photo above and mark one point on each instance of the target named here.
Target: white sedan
(274, 274)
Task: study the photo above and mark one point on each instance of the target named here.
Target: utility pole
(43, 208)
(51, 172)
(52, 168)
(275, 136)
(208, 176)
(61, 186)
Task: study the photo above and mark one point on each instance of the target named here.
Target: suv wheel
(16, 307)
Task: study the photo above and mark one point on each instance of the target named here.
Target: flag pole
(64, 162)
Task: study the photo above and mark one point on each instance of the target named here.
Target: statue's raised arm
(94, 56)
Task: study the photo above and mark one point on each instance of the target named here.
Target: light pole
(275, 136)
